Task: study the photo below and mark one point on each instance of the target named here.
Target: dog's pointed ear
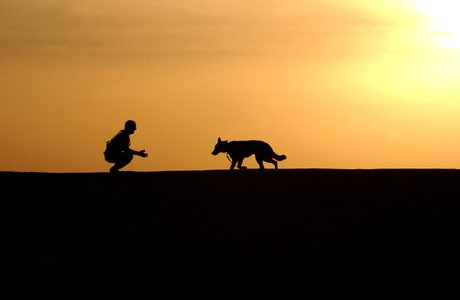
(219, 140)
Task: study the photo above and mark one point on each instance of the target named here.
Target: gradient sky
(329, 83)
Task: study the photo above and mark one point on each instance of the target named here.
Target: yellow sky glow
(443, 19)
(331, 84)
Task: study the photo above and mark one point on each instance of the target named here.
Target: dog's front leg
(240, 162)
(232, 166)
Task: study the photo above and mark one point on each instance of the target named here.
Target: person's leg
(121, 162)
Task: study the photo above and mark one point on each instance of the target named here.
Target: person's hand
(143, 153)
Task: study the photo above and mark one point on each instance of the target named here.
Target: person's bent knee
(124, 160)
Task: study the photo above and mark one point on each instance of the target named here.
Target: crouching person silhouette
(118, 149)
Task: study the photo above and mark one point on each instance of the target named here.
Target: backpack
(111, 150)
(108, 153)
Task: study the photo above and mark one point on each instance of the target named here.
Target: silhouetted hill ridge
(253, 225)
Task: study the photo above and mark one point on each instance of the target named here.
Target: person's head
(130, 126)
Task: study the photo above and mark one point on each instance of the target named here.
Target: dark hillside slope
(241, 226)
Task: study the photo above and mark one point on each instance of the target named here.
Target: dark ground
(241, 227)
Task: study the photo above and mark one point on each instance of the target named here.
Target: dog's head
(221, 146)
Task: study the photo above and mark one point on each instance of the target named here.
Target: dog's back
(248, 148)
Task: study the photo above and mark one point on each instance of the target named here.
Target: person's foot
(113, 170)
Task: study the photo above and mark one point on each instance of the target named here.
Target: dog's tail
(280, 157)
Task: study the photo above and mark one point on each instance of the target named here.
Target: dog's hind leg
(260, 161)
(274, 162)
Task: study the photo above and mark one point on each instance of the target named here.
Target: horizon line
(240, 171)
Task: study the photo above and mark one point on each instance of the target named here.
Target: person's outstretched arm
(141, 153)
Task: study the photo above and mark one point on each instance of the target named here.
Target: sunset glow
(331, 84)
(443, 20)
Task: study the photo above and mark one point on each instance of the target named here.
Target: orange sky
(329, 83)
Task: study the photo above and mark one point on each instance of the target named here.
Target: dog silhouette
(239, 150)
